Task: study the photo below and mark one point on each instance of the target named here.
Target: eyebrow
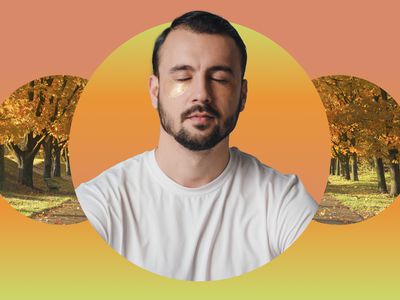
(181, 68)
(223, 68)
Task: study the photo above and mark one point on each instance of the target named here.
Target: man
(194, 208)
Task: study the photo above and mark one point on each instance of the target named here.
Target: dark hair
(201, 22)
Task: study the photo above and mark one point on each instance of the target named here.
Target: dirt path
(331, 211)
(69, 212)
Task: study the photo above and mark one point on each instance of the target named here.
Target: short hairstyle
(201, 22)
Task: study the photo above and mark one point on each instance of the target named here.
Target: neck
(191, 168)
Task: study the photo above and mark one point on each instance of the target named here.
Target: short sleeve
(294, 211)
(94, 206)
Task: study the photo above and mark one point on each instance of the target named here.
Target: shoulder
(255, 169)
(120, 170)
(279, 188)
(112, 178)
(103, 197)
(288, 206)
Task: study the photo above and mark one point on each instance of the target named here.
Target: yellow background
(359, 261)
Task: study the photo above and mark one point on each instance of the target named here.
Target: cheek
(177, 89)
(171, 111)
(229, 103)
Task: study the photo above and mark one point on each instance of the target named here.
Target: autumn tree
(388, 134)
(40, 112)
(341, 99)
(22, 138)
(61, 125)
(364, 122)
(66, 91)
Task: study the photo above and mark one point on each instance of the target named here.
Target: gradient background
(42, 261)
(283, 124)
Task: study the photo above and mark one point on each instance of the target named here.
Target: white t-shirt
(241, 220)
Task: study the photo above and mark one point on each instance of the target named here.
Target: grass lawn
(36, 204)
(361, 196)
(31, 201)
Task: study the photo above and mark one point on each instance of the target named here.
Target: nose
(201, 90)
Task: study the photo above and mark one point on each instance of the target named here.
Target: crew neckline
(171, 185)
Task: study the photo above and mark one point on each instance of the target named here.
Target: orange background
(40, 38)
(359, 261)
(284, 122)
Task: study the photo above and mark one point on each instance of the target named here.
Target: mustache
(200, 108)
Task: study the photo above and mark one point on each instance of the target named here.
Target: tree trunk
(338, 166)
(25, 170)
(47, 150)
(57, 162)
(67, 165)
(342, 168)
(355, 166)
(25, 154)
(2, 167)
(394, 172)
(347, 167)
(332, 166)
(380, 173)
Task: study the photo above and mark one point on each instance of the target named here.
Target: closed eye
(223, 81)
(183, 79)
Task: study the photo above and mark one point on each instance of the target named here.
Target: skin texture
(178, 89)
(199, 94)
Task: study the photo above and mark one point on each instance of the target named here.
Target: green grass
(42, 203)
(361, 196)
(30, 201)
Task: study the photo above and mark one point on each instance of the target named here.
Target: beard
(189, 140)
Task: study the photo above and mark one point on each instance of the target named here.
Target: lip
(200, 115)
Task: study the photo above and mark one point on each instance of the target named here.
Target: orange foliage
(43, 107)
(363, 118)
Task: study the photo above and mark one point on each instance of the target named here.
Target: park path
(332, 211)
(69, 212)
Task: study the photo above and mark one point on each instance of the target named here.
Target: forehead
(199, 50)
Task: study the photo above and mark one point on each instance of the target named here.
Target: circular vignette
(35, 175)
(364, 122)
(283, 124)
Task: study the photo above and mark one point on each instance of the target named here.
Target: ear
(154, 87)
(243, 94)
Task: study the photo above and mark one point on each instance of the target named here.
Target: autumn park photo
(35, 174)
(364, 123)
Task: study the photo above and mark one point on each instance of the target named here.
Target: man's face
(199, 92)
